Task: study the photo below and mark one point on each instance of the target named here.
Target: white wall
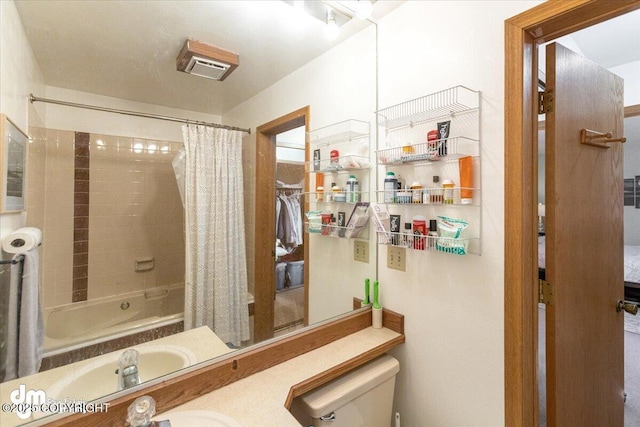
(452, 365)
(337, 86)
(19, 76)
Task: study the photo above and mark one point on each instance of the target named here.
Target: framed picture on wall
(13, 157)
(629, 186)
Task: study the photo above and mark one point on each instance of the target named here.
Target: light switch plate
(396, 258)
(361, 251)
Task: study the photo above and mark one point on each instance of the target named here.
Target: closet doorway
(280, 268)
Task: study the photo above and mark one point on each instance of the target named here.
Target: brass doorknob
(629, 307)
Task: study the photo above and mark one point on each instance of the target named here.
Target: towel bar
(12, 261)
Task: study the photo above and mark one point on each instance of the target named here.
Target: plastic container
(353, 189)
(390, 185)
(432, 238)
(320, 193)
(416, 190)
(334, 157)
(407, 235)
(448, 185)
(419, 232)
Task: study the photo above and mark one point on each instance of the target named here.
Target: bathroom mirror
(13, 155)
(293, 70)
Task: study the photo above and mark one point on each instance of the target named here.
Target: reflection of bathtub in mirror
(73, 326)
(81, 330)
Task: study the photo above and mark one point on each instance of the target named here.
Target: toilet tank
(360, 398)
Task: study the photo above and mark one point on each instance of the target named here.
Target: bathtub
(72, 326)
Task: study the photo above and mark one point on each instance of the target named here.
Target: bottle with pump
(390, 186)
(353, 189)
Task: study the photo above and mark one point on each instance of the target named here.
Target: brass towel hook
(592, 137)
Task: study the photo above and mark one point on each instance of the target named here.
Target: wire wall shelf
(449, 149)
(341, 132)
(446, 103)
(447, 245)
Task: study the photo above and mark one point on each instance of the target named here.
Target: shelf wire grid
(445, 103)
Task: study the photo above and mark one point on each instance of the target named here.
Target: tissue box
(357, 220)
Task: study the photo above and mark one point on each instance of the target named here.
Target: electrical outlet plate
(361, 251)
(396, 258)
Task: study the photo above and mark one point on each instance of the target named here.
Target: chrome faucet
(128, 369)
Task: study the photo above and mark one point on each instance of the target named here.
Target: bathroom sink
(97, 378)
(197, 419)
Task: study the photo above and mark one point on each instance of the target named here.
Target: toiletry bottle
(319, 193)
(336, 191)
(433, 234)
(376, 310)
(465, 165)
(416, 192)
(426, 195)
(328, 195)
(390, 184)
(447, 186)
(341, 223)
(333, 224)
(366, 301)
(399, 185)
(356, 191)
(326, 223)
(352, 188)
(432, 144)
(419, 232)
(443, 133)
(334, 157)
(436, 191)
(395, 229)
(408, 235)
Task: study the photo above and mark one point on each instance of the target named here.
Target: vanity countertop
(259, 400)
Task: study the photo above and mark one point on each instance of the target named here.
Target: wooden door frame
(265, 235)
(523, 33)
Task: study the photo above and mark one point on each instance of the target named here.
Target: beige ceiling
(127, 49)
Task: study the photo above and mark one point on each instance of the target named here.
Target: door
(265, 233)
(584, 243)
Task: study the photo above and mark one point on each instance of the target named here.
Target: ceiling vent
(207, 61)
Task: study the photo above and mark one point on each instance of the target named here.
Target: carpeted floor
(631, 369)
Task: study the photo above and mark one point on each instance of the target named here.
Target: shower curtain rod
(135, 113)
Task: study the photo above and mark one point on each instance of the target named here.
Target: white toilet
(360, 398)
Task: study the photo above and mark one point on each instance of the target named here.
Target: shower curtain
(216, 272)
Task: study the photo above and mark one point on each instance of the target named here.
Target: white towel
(26, 325)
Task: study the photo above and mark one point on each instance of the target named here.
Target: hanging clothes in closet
(288, 216)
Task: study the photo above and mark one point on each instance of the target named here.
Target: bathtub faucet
(128, 369)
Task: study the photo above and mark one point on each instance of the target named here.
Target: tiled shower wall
(101, 213)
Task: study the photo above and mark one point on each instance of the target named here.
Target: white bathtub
(76, 325)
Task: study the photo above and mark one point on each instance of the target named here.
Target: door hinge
(545, 102)
(545, 292)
